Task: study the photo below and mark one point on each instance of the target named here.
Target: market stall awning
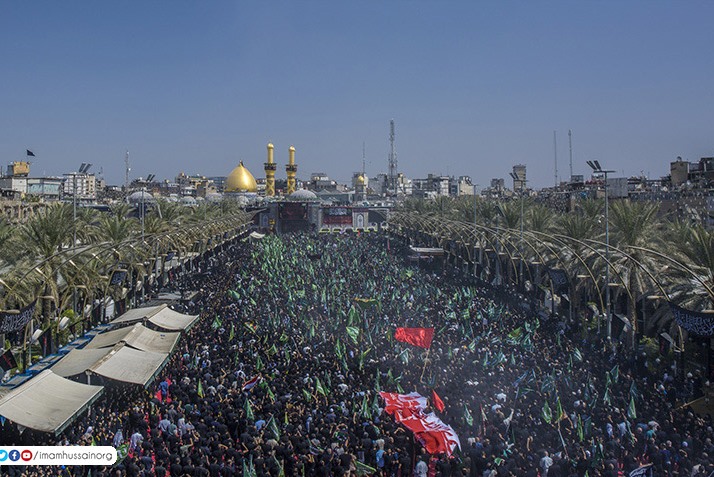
(130, 365)
(137, 336)
(137, 314)
(47, 402)
(171, 320)
(78, 361)
(427, 251)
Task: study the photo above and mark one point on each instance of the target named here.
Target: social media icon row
(15, 455)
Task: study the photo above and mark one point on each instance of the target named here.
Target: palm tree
(634, 226)
(40, 239)
(510, 214)
(115, 228)
(539, 218)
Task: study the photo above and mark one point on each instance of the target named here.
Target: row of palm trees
(652, 258)
(56, 261)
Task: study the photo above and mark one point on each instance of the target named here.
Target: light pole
(82, 170)
(522, 182)
(597, 169)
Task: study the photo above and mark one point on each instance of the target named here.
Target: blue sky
(474, 86)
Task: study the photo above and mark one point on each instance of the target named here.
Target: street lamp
(149, 178)
(83, 169)
(522, 182)
(597, 169)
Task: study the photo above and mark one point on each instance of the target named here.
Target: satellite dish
(63, 323)
(35, 336)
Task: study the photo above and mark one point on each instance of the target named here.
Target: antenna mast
(126, 170)
(363, 158)
(555, 154)
(392, 161)
(570, 147)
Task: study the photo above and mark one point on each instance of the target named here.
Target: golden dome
(360, 179)
(241, 180)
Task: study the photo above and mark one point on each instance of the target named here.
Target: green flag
(308, 396)
(547, 414)
(217, 323)
(559, 411)
(364, 411)
(248, 410)
(364, 469)
(259, 363)
(467, 416)
(615, 372)
(515, 335)
(232, 334)
(270, 394)
(319, 388)
(362, 356)
(366, 303)
(375, 406)
(353, 333)
(199, 390)
(581, 432)
(631, 411)
(633, 390)
(352, 316)
(273, 427)
(122, 452)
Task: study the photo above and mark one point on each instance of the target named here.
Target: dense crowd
(274, 380)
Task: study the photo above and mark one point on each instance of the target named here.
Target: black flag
(30, 153)
(7, 361)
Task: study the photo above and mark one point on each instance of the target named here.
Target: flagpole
(421, 378)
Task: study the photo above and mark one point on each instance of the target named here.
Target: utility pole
(126, 172)
(392, 161)
(570, 148)
(597, 169)
(555, 155)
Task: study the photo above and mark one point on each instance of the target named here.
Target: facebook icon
(14, 455)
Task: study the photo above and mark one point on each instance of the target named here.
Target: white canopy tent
(78, 361)
(130, 365)
(137, 336)
(137, 314)
(48, 402)
(161, 316)
(171, 320)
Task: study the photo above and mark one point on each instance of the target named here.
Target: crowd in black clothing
(279, 309)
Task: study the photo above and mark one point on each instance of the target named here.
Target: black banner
(644, 471)
(701, 324)
(314, 256)
(559, 279)
(118, 277)
(7, 361)
(13, 322)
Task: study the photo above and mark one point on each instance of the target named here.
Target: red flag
(437, 402)
(429, 430)
(415, 336)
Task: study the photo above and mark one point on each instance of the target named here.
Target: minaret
(270, 173)
(291, 170)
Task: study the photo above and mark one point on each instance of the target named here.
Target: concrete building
(46, 188)
(83, 185)
(464, 186)
(519, 181)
